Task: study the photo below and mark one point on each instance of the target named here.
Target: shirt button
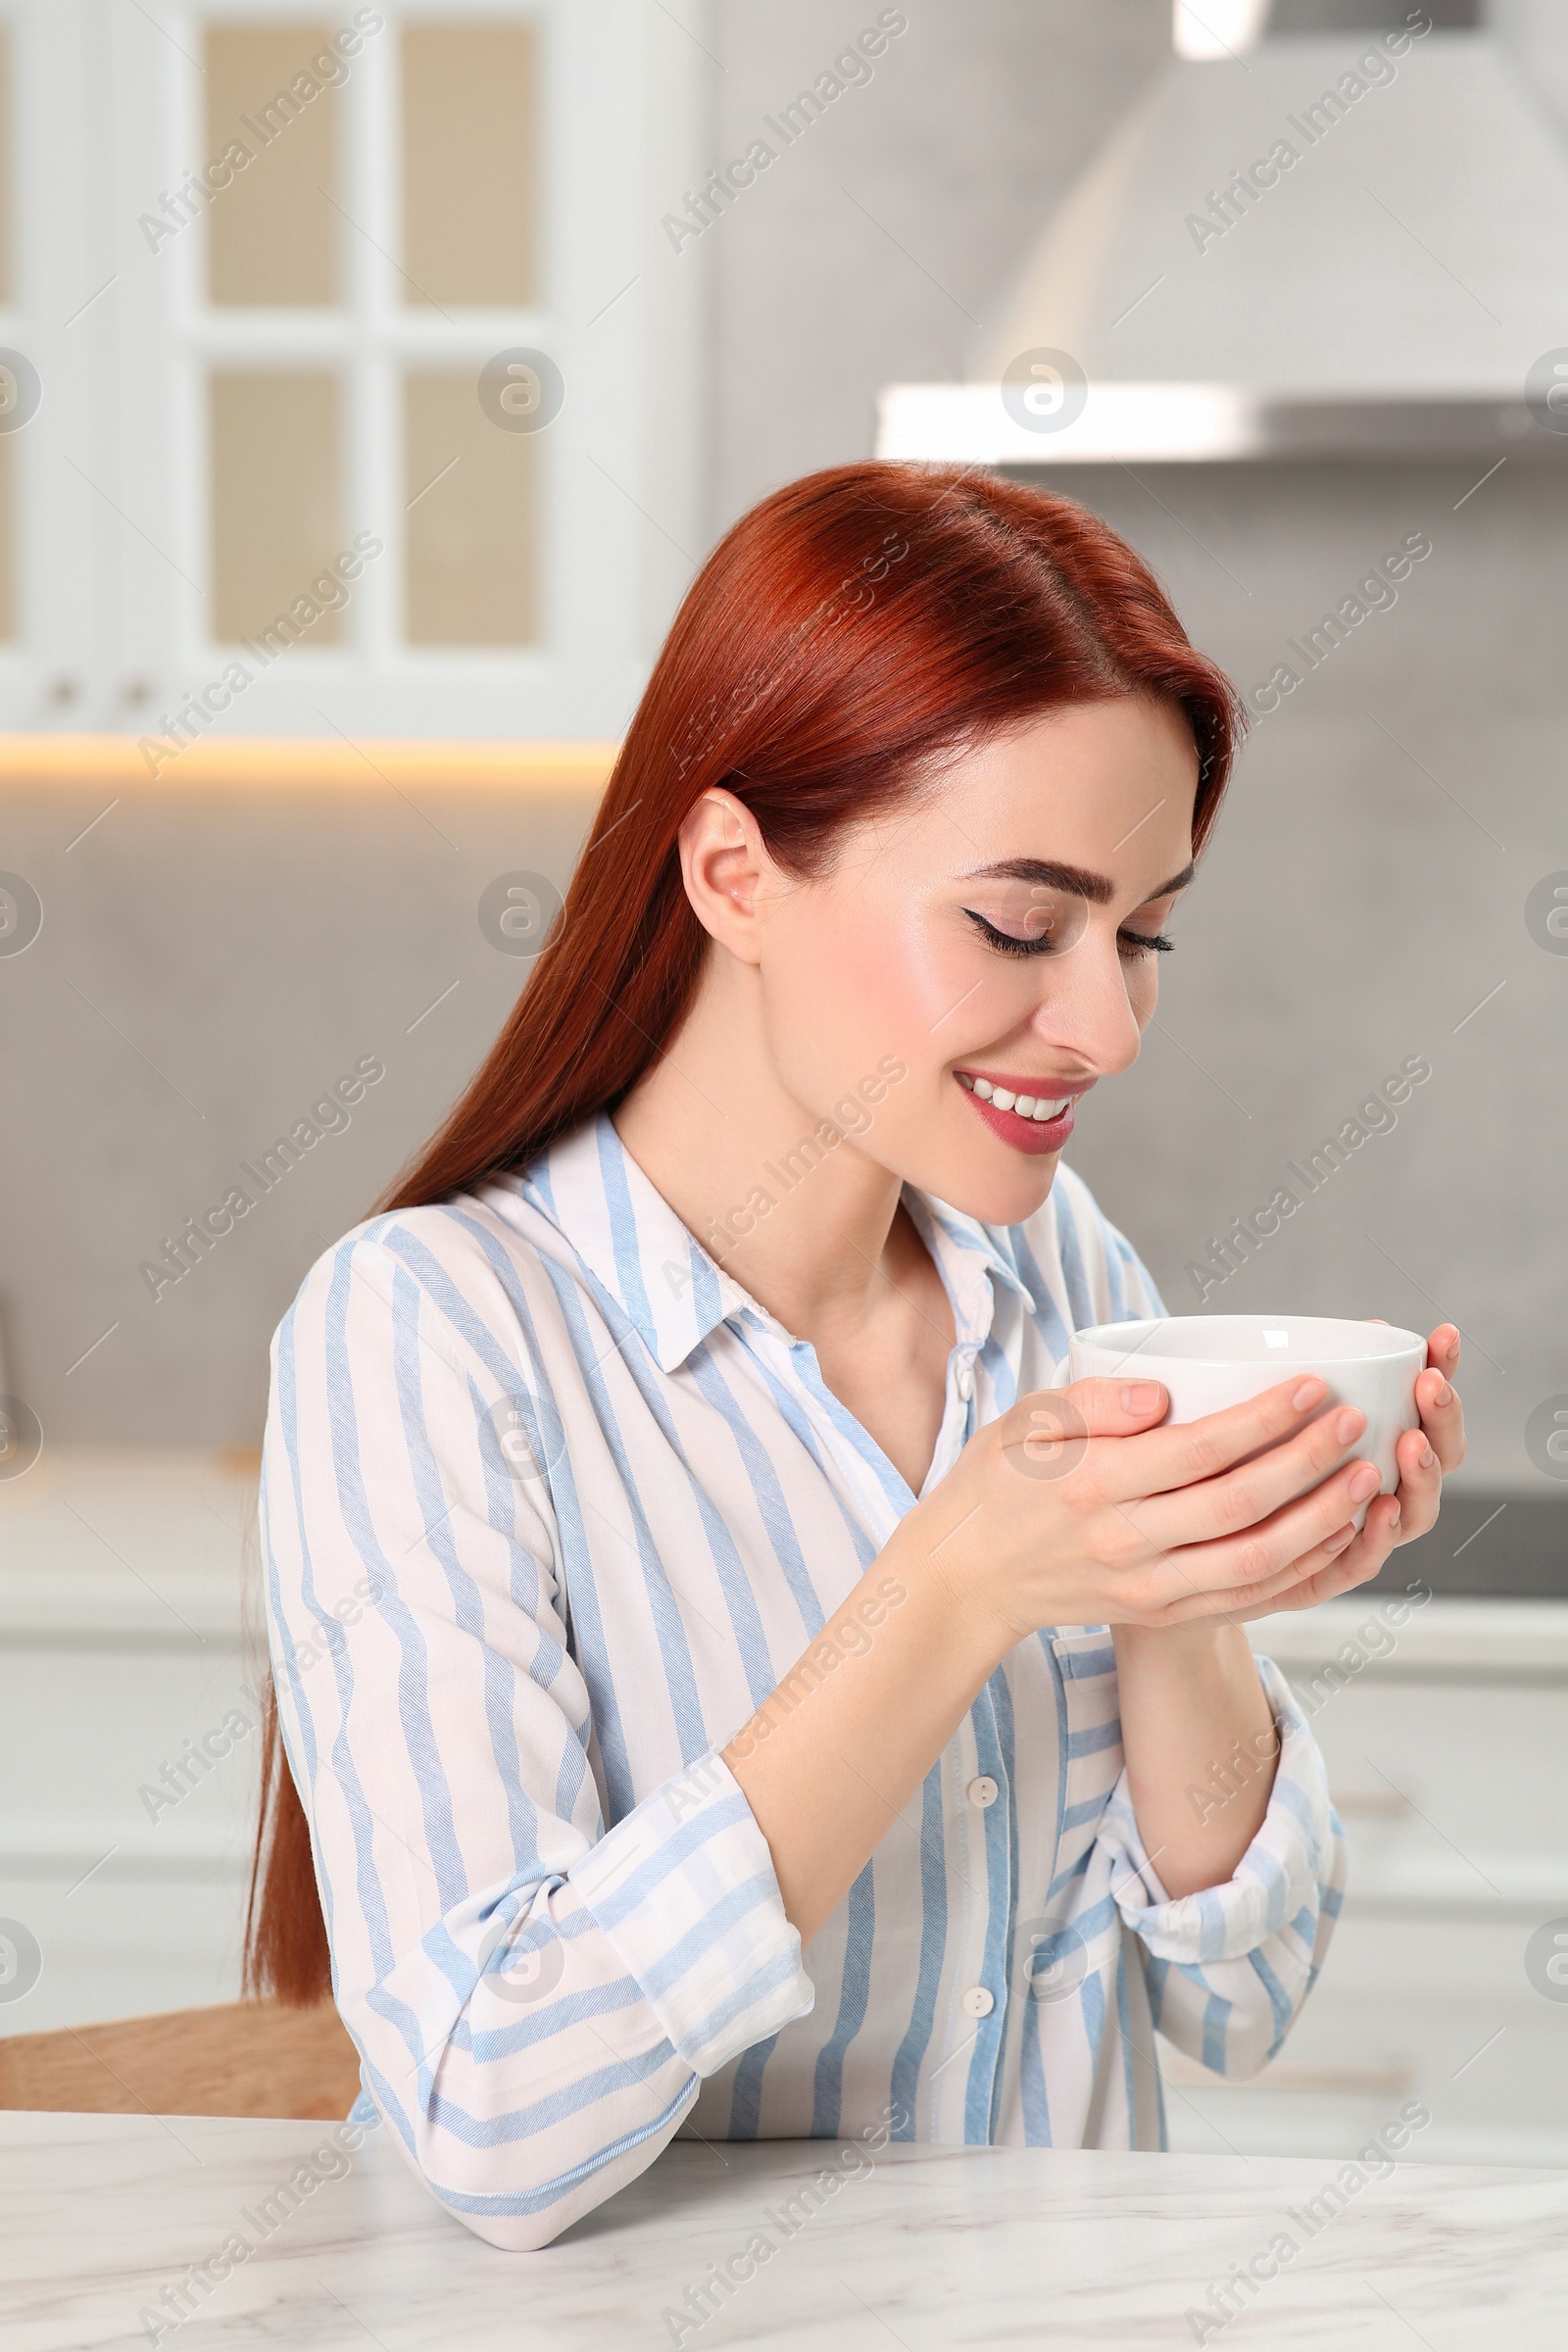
(964, 1381)
(977, 2002)
(983, 1791)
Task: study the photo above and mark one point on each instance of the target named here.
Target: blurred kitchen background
(343, 502)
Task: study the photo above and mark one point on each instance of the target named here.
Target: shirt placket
(977, 1801)
(977, 1782)
(963, 2081)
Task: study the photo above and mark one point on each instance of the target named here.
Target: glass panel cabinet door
(362, 377)
(56, 402)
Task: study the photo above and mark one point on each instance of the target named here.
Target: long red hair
(843, 636)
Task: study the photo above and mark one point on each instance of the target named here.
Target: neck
(807, 1224)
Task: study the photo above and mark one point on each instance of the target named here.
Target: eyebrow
(1083, 885)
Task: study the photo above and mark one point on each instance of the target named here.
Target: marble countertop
(1449, 1637)
(101, 2216)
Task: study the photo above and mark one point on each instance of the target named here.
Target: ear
(724, 866)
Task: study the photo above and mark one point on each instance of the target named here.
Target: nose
(1084, 1008)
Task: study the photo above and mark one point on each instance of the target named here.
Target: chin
(1003, 1195)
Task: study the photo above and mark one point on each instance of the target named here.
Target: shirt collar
(967, 1255)
(631, 1241)
(673, 1292)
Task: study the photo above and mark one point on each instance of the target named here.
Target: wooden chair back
(243, 2058)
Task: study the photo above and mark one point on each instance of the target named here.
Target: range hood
(1325, 245)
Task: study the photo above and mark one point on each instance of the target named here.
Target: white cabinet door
(1444, 1730)
(368, 377)
(57, 403)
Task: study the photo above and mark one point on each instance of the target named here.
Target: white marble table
(924, 2247)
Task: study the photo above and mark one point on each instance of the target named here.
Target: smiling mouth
(1042, 1108)
(1035, 1123)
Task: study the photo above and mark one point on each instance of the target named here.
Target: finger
(1250, 1562)
(1331, 1582)
(1047, 1434)
(1182, 1454)
(1088, 1408)
(1335, 1566)
(1442, 1347)
(1250, 1600)
(1420, 1487)
(1355, 1563)
(1256, 1600)
(1255, 1489)
(1442, 1416)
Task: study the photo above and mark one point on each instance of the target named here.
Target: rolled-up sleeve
(1229, 1967)
(535, 1995)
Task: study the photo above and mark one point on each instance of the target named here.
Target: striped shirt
(551, 1505)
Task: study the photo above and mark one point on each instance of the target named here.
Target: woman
(731, 1687)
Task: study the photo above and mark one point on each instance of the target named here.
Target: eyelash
(1131, 946)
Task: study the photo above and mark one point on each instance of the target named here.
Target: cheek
(866, 973)
(862, 982)
(896, 968)
(832, 990)
(927, 993)
(1143, 988)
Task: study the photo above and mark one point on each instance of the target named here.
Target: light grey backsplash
(869, 251)
(209, 964)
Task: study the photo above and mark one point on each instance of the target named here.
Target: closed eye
(1131, 946)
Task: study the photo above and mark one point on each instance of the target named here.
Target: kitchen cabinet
(347, 373)
(127, 1795)
(1447, 1756)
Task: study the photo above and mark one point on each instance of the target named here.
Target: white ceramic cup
(1208, 1362)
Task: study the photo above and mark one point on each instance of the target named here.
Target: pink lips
(1039, 1137)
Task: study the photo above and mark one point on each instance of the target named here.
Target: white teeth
(1026, 1106)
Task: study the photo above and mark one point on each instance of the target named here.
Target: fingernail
(1141, 1395)
(1444, 1395)
(1350, 1425)
(1364, 1482)
(1310, 1392)
(1339, 1540)
(1394, 1521)
(1429, 1460)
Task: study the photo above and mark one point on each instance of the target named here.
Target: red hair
(842, 638)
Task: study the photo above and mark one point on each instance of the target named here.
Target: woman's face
(992, 939)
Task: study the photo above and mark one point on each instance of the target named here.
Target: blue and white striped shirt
(551, 1506)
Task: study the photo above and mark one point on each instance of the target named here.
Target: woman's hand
(1073, 1509)
(1046, 1524)
(1422, 1455)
